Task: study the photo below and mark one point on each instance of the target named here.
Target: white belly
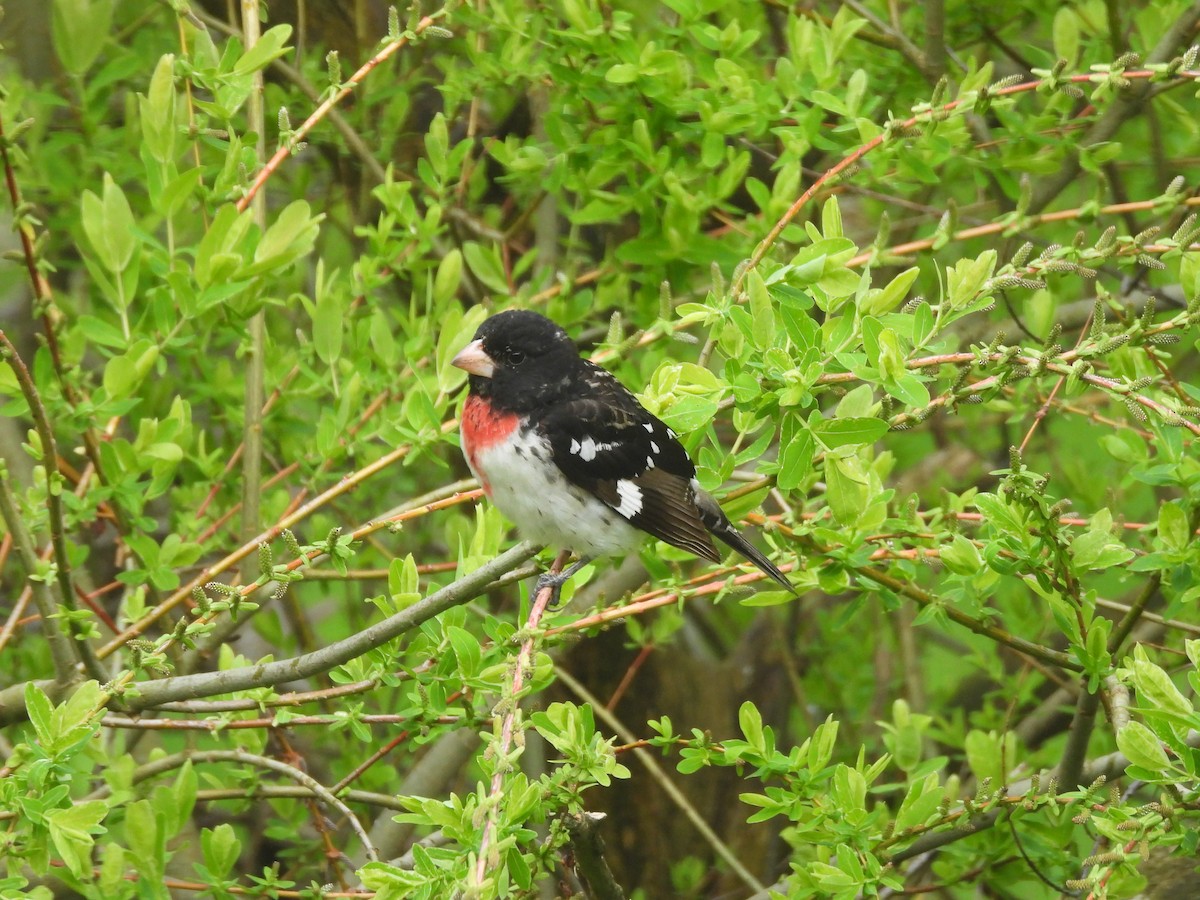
(528, 488)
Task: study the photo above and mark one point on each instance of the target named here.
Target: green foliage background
(917, 284)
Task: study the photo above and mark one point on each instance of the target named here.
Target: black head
(519, 359)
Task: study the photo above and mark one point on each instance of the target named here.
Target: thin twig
(57, 634)
(206, 684)
(1125, 106)
(1079, 733)
(54, 509)
(297, 136)
(252, 420)
(500, 753)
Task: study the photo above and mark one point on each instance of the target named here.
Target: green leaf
(1098, 550)
(621, 73)
(466, 650)
(221, 849)
(795, 456)
(270, 46)
(922, 324)
(40, 710)
(831, 218)
(1000, 514)
(965, 281)
(486, 266)
(178, 191)
(437, 146)
(157, 111)
(108, 223)
(328, 320)
(457, 329)
(886, 300)
(1156, 689)
(750, 721)
(145, 840)
(404, 584)
(919, 804)
(216, 259)
(991, 755)
(80, 32)
(961, 556)
(290, 237)
(846, 487)
(449, 275)
(1189, 274)
(762, 314)
(124, 374)
(73, 829)
(908, 389)
(689, 413)
(841, 432)
(767, 598)
(1143, 749)
(1173, 529)
(1066, 35)
(175, 803)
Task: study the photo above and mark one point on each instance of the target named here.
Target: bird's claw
(555, 580)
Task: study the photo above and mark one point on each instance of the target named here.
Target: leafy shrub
(922, 290)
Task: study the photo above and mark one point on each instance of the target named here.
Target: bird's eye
(516, 357)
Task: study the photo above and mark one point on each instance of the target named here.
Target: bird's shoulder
(601, 431)
(605, 441)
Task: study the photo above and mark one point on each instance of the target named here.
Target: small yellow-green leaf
(1142, 748)
(762, 315)
(157, 111)
(891, 296)
(449, 275)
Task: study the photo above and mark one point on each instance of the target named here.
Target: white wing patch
(631, 498)
(588, 448)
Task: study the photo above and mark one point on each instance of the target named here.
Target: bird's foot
(555, 580)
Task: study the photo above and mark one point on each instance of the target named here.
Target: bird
(568, 453)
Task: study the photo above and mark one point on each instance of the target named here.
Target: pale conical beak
(472, 358)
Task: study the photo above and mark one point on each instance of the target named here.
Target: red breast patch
(483, 427)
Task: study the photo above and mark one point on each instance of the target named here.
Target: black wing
(610, 445)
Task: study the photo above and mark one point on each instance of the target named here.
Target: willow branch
(207, 684)
(61, 652)
(54, 507)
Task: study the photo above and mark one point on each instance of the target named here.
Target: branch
(1123, 108)
(1070, 767)
(190, 687)
(504, 760)
(589, 856)
(252, 415)
(321, 111)
(53, 502)
(61, 651)
(207, 684)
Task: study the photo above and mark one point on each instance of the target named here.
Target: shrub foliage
(916, 284)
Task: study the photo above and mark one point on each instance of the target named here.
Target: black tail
(730, 536)
(721, 528)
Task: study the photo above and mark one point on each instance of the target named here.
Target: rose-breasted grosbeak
(567, 453)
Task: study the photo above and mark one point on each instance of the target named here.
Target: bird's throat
(483, 426)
